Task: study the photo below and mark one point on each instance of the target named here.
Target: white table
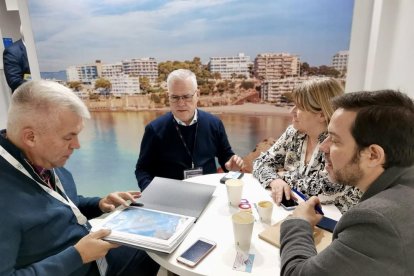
(215, 224)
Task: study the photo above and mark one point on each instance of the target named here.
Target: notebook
(322, 237)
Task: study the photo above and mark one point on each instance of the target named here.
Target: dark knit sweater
(163, 153)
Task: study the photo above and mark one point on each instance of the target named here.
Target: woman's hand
(280, 187)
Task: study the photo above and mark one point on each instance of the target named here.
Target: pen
(318, 208)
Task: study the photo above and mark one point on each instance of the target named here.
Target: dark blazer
(15, 64)
(375, 237)
(39, 231)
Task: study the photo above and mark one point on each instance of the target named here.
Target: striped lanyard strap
(82, 220)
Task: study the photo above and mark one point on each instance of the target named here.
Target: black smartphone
(288, 204)
(196, 252)
(327, 223)
(231, 175)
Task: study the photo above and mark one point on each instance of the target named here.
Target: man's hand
(92, 247)
(235, 163)
(113, 200)
(306, 211)
(280, 187)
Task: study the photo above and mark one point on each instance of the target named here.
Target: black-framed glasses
(185, 98)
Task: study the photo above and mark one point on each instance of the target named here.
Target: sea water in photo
(110, 144)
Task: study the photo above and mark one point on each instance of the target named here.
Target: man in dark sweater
(185, 141)
(45, 229)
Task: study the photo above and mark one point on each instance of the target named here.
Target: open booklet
(170, 209)
(146, 229)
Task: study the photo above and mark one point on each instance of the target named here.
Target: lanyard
(82, 220)
(303, 156)
(185, 144)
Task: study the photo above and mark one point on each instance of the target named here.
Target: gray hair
(181, 74)
(39, 102)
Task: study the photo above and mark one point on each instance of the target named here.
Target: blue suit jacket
(15, 64)
(37, 231)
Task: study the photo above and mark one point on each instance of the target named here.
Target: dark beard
(351, 173)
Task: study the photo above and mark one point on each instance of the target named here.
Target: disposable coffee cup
(265, 209)
(243, 228)
(234, 191)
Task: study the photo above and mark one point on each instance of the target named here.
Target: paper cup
(234, 191)
(243, 228)
(265, 208)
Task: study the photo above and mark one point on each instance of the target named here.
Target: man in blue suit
(44, 221)
(16, 64)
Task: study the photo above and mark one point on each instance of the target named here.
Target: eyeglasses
(185, 98)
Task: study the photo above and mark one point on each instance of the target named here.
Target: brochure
(146, 229)
(170, 208)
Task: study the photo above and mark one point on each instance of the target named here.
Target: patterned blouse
(288, 155)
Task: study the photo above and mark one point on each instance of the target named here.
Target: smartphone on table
(231, 175)
(196, 252)
(288, 204)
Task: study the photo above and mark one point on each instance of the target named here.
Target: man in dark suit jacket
(16, 64)
(370, 146)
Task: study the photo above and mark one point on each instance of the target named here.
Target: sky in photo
(79, 32)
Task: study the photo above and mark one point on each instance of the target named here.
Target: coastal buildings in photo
(275, 66)
(231, 67)
(273, 90)
(340, 61)
(224, 80)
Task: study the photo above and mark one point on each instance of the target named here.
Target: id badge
(193, 172)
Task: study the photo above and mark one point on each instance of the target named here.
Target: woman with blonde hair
(295, 161)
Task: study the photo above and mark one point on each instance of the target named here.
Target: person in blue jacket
(16, 64)
(185, 141)
(45, 229)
